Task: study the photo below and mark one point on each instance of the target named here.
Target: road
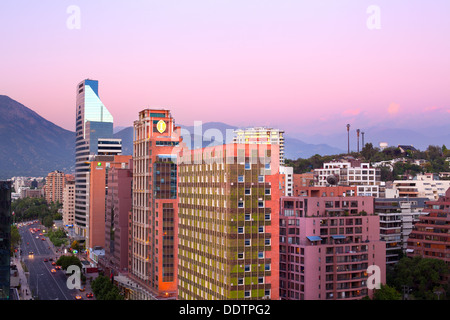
(44, 284)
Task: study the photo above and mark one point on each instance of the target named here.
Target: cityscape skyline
(227, 61)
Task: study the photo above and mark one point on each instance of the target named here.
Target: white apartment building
(287, 181)
(425, 185)
(351, 173)
(261, 135)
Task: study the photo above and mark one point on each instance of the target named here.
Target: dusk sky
(302, 66)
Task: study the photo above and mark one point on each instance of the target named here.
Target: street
(45, 283)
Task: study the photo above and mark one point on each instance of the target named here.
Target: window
(240, 204)
(248, 242)
(241, 178)
(247, 294)
(260, 204)
(267, 216)
(248, 191)
(260, 178)
(267, 192)
(247, 268)
(240, 281)
(267, 267)
(240, 230)
(261, 255)
(247, 166)
(267, 242)
(260, 280)
(240, 255)
(247, 217)
(261, 229)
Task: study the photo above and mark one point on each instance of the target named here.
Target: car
(89, 295)
(58, 267)
(37, 237)
(78, 297)
(31, 253)
(43, 239)
(53, 263)
(53, 270)
(82, 289)
(45, 260)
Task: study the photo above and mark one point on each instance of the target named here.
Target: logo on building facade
(161, 126)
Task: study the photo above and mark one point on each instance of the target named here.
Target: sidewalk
(24, 292)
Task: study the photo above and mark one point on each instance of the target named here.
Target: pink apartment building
(326, 246)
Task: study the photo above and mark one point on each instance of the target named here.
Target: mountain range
(33, 146)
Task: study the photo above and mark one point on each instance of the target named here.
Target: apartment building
(327, 245)
(228, 222)
(426, 185)
(397, 218)
(351, 173)
(54, 186)
(286, 181)
(69, 204)
(430, 237)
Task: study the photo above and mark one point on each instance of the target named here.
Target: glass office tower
(93, 123)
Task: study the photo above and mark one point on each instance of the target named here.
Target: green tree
(67, 260)
(421, 275)
(387, 293)
(103, 289)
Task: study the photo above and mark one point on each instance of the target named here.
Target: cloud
(393, 108)
(352, 112)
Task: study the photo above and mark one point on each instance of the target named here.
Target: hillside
(30, 144)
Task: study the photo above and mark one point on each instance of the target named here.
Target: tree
(66, 261)
(387, 293)
(422, 275)
(104, 289)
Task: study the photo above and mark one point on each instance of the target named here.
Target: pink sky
(303, 66)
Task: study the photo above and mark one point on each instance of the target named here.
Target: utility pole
(348, 138)
(357, 138)
(363, 145)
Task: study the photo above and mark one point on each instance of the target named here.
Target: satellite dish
(333, 179)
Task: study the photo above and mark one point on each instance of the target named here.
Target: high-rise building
(54, 186)
(118, 207)
(69, 204)
(5, 238)
(153, 221)
(228, 222)
(93, 123)
(327, 245)
(97, 193)
(261, 135)
(430, 237)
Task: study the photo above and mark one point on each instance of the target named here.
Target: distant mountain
(214, 133)
(31, 145)
(420, 138)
